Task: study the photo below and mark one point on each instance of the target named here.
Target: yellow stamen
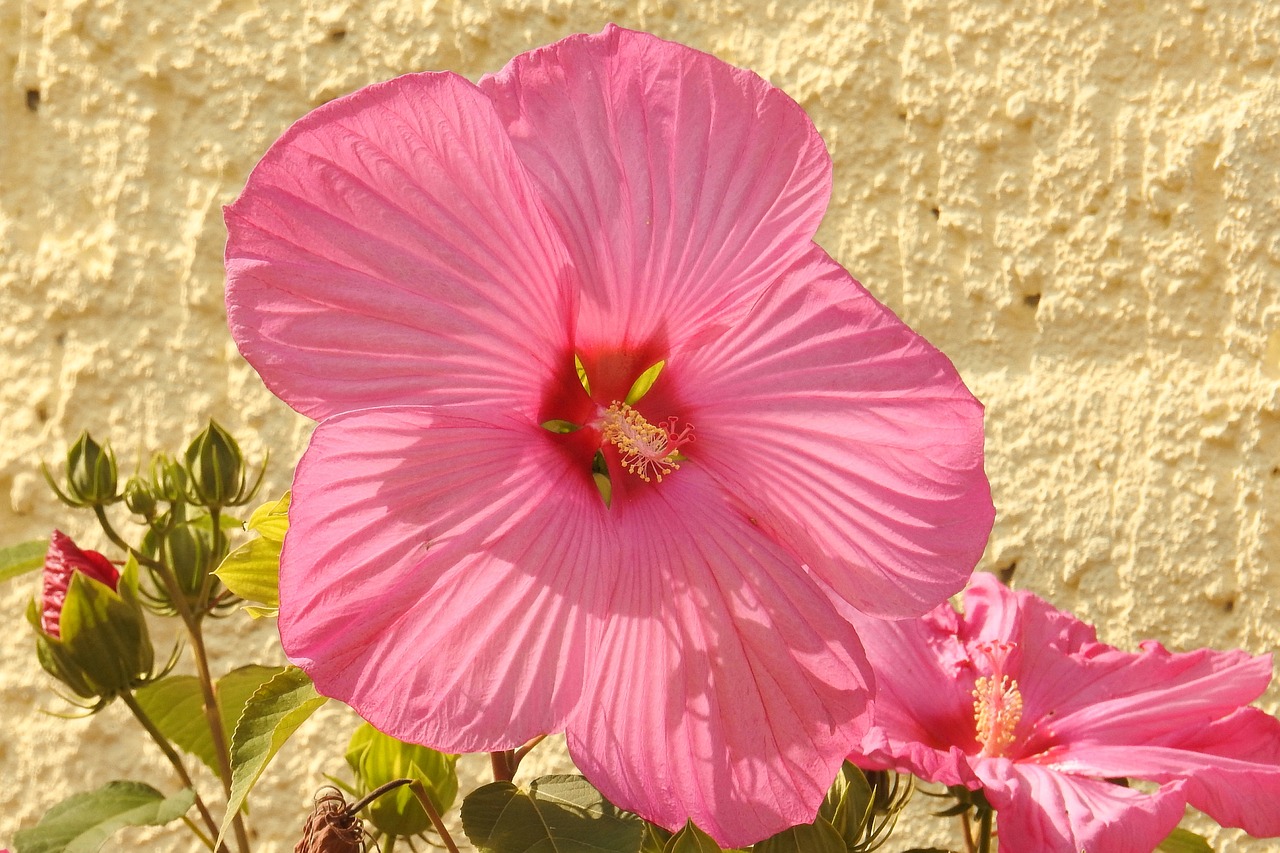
(650, 451)
(997, 702)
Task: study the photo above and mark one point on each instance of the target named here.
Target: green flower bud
(377, 759)
(139, 498)
(189, 552)
(90, 630)
(218, 476)
(168, 479)
(91, 475)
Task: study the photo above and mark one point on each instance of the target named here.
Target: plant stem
(519, 754)
(436, 821)
(967, 828)
(503, 769)
(165, 747)
(213, 716)
(984, 830)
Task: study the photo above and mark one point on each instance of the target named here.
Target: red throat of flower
(997, 702)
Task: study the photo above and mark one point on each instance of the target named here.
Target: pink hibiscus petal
(408, 525)
(728, 689)
(919, 728)
(848, 436)
(390, 249)
(1043, 811)
(682, 185)
(1231, 767)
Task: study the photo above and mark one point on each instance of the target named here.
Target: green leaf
(272, 714)
(252, 571)
(558, 814)
(17, 560)
(817, 837)
(1184, 841)
(642, 384)
(176, 705)
(693, 840)
(82, 823)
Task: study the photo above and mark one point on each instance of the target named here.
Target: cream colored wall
(1078, 201)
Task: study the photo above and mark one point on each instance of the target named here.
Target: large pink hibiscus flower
(1022, 701)
(428, 265)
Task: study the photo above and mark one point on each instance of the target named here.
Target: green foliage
(848, 805)
(558, 814)
(83, 823)
(818, 837)
(176, 705)
(272, 714)
(1184, 841)
(252, 571)
(18, 560)
(376, 759)
(692, 840)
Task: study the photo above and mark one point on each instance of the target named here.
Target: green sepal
(655, 838)
(21, 559)
(252, 571)
(558, 814)
(84, 822)
(848, 804)
(817, 837)
(54, 659)
(694, 840)
(376, 759)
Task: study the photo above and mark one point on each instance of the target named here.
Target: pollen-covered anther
(650, 451)
(997, 702)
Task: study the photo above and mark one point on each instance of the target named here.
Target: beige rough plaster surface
(1077, 201)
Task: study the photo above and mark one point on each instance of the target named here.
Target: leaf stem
(161, 741)
(430, 808)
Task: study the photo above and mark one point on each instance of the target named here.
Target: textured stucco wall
(1077, 201)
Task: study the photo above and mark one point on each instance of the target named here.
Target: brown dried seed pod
(331, 827)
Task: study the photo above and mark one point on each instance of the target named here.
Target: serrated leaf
(18, 560)
(252, 571)
(82, 823)
(558, 814)
(1184, 841)
(817, 837)
(272, 714)
(176, 705)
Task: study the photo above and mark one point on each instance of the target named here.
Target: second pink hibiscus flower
(463, 283)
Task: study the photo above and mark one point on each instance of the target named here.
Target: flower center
(650, 451)
(997, 702)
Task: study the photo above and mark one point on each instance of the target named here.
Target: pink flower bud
(62, 560)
